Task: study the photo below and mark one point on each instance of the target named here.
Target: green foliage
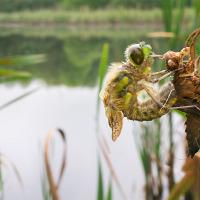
(10, 74)
(167, 7)
(1, 182)
(103, 65)
(10, 5)
(75, 66)
(6, 73)
(100, 190)
(179, 17)
(196, 6)
(22, 60)
(100, 185)
(81, 17)
(109, 192)
(102, 69)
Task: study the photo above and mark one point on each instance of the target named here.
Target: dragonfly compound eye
(135, 54)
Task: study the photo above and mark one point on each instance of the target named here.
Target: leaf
(100, 191)
(178, 21)
(109, 193)
(103, 64)
(6, 162)
(180, 113)
(1, 179)
(102, 71)
(167, 8)
(182, 187)
(5, 105)
(196, 6)
(5, 73)
(54, 186)
(144, 157)
(22, 60)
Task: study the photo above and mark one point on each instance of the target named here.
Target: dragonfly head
(136, 54)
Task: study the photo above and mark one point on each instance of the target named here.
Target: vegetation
(103, 16)
(9, 5)
(72, 41)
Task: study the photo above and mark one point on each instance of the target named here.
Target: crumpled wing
(117, 124)
(193, 133)
(115, 120)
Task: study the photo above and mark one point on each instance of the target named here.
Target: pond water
(66, 99)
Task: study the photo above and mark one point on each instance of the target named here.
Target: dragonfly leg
(158, 76)
(168, 97)
(182, 107)
(151, 92)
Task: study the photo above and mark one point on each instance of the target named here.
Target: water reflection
(72, 60)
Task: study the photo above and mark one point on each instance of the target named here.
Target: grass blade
(179, 17)
(54, 186)
(5, 73)
(182, 187)
(6, 162)
(100, 190)
(109, 163)
(196, 6)
(22, 60)
(102, 70)
(167, 14)
(109, 193)
(5, 105)
(178, 21)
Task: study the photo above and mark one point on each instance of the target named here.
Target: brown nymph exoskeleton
(186, 80)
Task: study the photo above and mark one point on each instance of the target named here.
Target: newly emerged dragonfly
(125, 81)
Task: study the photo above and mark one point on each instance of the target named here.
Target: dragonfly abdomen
(149, 109)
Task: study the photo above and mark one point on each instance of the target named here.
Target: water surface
(67, 99)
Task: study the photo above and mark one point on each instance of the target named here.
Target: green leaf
(178, 21)
(144, 157)
(103, 64)
(102, 69)
(22, 60)
(167, 8)
(1, 179)
(109, 193)
(157, 139)
(100, 191)
(196, 6)
(180, 113)
(5, 73)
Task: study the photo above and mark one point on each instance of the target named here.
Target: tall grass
(103, 65)
(176, 29)
(6, 163)
(196, 7)
(178, 190)
(50, 186)
(147, 137)
(100, 16)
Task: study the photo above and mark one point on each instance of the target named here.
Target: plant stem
(171, 155)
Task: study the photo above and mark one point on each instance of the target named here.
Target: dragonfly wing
(117, 124)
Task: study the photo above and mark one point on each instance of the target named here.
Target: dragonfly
(124, 83)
